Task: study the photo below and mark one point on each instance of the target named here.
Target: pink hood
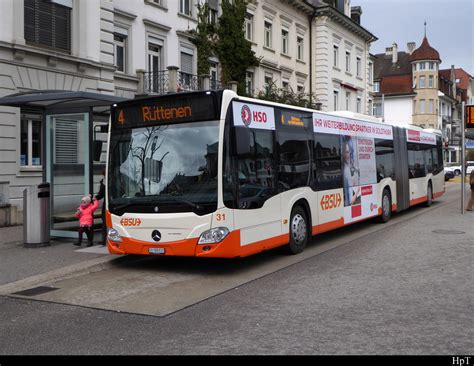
(86, 217)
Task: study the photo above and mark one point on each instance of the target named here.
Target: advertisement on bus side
(359, 168)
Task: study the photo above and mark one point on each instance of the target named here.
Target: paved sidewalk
(18, 263)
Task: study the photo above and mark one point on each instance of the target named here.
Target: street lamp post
(463, 159)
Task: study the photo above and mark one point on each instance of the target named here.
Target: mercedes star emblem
(156, 235)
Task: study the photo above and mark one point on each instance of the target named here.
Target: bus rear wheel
(298, 231)
(386, 207)
(429, 195)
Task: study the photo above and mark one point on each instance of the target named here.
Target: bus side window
(256, 171)
(385, 159)
(416, 161)
(294, 159)
(327, 172)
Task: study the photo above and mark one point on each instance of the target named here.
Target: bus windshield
(164, 169)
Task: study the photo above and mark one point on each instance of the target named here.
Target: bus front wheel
(298, 231)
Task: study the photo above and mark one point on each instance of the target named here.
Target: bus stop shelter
(74, 127)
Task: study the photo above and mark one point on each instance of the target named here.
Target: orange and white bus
(213, 174)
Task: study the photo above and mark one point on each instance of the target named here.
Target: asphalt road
(403, 288)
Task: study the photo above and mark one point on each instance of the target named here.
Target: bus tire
(429, 195)
(298, 231)
(386, 207)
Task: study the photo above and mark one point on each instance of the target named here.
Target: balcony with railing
(174, 81)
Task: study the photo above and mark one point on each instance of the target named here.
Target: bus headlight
(113, 235)
(213, 236)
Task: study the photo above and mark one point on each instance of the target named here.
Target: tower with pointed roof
(425, 62)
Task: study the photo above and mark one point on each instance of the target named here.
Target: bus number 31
(220, 217)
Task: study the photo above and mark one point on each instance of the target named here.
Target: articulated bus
(213, 174)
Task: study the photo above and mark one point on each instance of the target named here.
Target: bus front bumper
(227, 248)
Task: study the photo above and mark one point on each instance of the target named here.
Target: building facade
(96, 46)
(127, 48)
(342, 67)
(410, 87)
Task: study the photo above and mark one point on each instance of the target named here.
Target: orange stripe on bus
(437, 194)
(418, 200)
(328, 226)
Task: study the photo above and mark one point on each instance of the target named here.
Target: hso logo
(246, 115)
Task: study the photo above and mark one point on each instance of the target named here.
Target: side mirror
(242, 141)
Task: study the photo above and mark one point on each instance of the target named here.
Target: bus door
(257, 212)
(294, 135)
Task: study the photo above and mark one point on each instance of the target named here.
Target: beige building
(342, 67)
(425, 62)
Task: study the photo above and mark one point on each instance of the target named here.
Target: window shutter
(66, 142)
(47, 24)
(186, 63)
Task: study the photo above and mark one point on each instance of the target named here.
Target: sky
(449, 29)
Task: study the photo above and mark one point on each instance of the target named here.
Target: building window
(348, 101)
(120, 51)
(371, 72)
(249, 27)
(268, 35)
(422, 82)
(249, 83)
(348, 61)
(156, 85)
(431, 65)
(30, 140)
(335, 53)
(359, 67)
(284, 42)
(268, 82)
(422, 106)
(431, 81)
(214, 72)
(187, 80)
(359, 105)
(185, 7)
(377, 87)
(213, 16)
(431, 106)
(377, 111)
(336, 100)
(47, 24)
(285, 85)
(422, 65)
(300, 48)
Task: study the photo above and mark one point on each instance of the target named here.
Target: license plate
(156, 250)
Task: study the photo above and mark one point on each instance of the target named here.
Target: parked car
(448, 174)
(469, 167)
(453, 167)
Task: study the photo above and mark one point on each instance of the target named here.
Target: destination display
(164, 110)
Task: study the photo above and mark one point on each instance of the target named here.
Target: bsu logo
(330, 201)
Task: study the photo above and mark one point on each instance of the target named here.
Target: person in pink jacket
(85, 214)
